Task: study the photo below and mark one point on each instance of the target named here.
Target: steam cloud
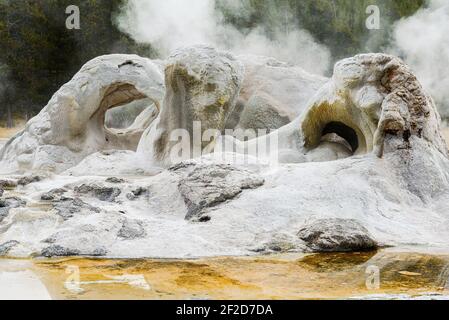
(422, 40)
(170, 24)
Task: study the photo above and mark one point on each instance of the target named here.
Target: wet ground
(385, 274)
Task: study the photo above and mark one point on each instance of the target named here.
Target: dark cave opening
(341, 133)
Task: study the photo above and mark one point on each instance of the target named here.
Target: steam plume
(423, 42)
(170, 24)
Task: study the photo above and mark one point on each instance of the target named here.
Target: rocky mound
(363, 165)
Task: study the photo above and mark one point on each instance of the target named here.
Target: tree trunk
(9, 120)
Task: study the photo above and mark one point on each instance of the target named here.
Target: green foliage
(339, 24)
(42, 54)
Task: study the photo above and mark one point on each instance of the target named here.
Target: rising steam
(170, 24)
(423, 42)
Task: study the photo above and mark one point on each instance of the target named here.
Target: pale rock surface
(71, 126)
(446, 136)
(114, 162)
(373, 101)
(273, 93)
(395, 184)
(202, 85)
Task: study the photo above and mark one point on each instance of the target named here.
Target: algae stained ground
(319, 276)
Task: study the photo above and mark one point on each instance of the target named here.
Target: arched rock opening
(115, 96)
(338, 123)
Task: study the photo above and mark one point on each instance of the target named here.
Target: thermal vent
(338, 132)
(338, 123)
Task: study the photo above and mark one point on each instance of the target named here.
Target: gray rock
(276, 247)
(50, 240)
(4, 211)
(273, 93)
(7, 246)
(54, 194)
(132, 229)
(182, 167)
(28, 180)
(98, 252)
(68, 207)
(107, 194)
(115, 180)
(130, 196)
(337, 235)
(1, 192)
(7, 184)
(134, 194)
(261, 112)
(10, 203)
(208, 186)
(279, 243)
(58, 251)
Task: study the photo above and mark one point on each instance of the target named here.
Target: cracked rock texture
(132, 229)
(6, 247)
(59, 251)
(102, 193)
(337, 235)
(208, 186)
(68, 207)
(9, 203)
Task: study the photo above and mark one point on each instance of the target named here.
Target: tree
(42, 54)
(339, 24)
(6, 91)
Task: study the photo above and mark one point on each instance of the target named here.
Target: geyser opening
(340, 133)
(337, 123)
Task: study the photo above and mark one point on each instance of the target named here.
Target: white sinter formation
(362, 162)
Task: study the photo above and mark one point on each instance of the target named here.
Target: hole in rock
(337, 132)
(122, 116)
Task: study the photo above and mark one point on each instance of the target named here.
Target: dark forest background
(38, 54)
